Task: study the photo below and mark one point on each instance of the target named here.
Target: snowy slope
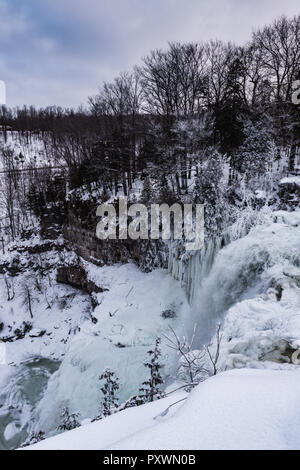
(129, 320)
(31, 146)
(291, 180)
(57, 309)
(245, 409)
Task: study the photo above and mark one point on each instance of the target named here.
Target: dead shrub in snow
(195, 366)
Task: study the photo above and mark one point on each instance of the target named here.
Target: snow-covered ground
(236, 410)
(35, 345)
(291, 180)
(129, 320)
(57, 309)
(32, 147)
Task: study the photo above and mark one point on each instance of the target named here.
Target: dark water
(19, 397)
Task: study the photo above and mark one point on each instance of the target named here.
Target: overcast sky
(59, 51)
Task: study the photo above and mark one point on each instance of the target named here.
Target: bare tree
(9, 288)
(214, 357)
(279, 44)
(174, 81)
(195, 365)
(27, 298)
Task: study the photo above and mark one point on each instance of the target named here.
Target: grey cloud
(59, 51)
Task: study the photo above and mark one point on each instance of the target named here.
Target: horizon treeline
(187, 108)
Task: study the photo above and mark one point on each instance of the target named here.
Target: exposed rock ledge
(76, 276)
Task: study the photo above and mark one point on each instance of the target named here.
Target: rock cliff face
(78, 226)
(79, 231)
(76, 276)
(147, 254)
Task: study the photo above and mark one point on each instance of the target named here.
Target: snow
(290, 180)
(237, 410)
(254, 329)
(32, 147)
(10, 431)
(106, 432)
(58, 310)
(129, 321)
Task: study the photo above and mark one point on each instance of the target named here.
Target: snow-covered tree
(151, 388)
(34, 438)
(257, 151)
(27, 298)
(68, 421)
(210, 190)
(110, 388)
(195, 365)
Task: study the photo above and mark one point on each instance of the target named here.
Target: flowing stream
(18, 398)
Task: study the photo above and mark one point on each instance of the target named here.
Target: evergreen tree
(34, 438)
(69, 421)
(151, 390)
(210, 190)
(132, 402)
(257, 151)
(229, 114)
(148, 153)
(164, 192)
(110, 402)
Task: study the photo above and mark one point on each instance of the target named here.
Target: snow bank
(262, 332)
(241, 409)
(290, 180)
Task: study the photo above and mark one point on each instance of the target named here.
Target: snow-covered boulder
(289, 192)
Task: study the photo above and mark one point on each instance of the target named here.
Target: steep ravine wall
(147, 254)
